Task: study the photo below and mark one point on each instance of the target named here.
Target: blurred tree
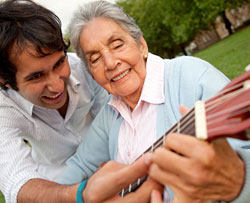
(66, 39)
(169, 25)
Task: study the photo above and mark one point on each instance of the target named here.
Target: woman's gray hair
(99, 9)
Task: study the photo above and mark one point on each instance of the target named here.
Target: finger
(156, 197)
(183, 109)
(121, 178)
(164, 177)
(170, 161)
(187, 145)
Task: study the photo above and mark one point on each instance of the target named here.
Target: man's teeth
(55, 96)
(120, 76)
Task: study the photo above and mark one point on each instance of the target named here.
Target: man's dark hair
(25, 24)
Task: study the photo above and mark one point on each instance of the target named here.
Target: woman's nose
(110, 61)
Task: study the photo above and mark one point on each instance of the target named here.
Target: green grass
(1, 198)
(230, 55)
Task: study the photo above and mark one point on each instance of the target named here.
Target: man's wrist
(81, 187)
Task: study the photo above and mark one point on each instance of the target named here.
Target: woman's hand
(198, 170)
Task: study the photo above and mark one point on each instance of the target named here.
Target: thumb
(183, 109)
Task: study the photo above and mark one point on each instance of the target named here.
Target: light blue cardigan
(187, 79)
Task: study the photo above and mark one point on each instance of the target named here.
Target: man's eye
(60, 62)
(35, 77)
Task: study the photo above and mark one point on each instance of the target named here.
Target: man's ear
(143, 45)
(4, 83)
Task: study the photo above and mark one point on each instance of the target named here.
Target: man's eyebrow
(32, 74)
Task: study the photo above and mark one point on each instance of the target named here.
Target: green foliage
(170, 24)
(66, 38)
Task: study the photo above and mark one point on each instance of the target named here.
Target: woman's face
(115, 59)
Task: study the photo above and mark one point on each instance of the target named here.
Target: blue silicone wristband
(80, 190)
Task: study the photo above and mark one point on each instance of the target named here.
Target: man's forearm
(39, 191)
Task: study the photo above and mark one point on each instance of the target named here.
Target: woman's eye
(117, 44)
(94, 59)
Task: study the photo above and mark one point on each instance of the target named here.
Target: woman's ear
(143, 46)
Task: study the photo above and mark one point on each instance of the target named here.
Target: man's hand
(109, 180)
(198, 171)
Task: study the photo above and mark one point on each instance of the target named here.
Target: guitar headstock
(228, 113)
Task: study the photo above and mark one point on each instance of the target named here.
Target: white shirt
(53, 139)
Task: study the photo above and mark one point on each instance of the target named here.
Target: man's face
(42, 80)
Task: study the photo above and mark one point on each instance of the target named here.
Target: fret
(122, 195)
(178, 127)
(129, 189)
(138, 181)
(152, 148)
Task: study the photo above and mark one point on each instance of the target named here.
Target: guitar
(225, 115)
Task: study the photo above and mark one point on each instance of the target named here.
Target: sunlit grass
(230, 55)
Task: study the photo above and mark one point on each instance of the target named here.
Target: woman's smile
(120, 76)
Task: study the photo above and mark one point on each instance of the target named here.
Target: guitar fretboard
(185, 125)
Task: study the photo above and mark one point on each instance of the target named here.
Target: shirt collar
(153, 87)
(24, 104)
(74, 83)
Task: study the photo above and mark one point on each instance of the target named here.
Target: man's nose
(55, 83)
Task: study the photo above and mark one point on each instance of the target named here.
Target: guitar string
(234, 121)
(222, 99)
(161, 140)
(217, 115)
(222, 93)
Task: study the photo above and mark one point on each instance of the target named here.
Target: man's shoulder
(9, 109)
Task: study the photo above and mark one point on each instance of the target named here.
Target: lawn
(1, 198)
(230, 55)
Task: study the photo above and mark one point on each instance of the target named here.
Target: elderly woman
(145, 90)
